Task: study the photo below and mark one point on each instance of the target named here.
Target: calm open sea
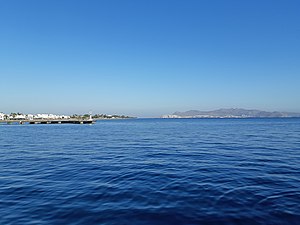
(152, 171)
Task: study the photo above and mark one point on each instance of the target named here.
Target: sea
(152, 172)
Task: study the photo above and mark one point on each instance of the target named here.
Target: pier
(40, 121)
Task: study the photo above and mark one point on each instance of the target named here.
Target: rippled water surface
(151, 171)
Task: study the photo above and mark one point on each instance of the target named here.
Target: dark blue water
(152, 171)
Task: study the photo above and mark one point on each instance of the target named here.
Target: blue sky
(148, 58)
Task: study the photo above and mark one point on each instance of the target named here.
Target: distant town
(231, 113)
(47, 116)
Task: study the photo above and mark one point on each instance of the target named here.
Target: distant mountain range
(230, 113)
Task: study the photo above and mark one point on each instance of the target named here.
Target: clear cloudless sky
(151, 57)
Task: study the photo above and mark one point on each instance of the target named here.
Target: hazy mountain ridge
(230, 113)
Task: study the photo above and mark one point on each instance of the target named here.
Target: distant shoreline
(295, 117)
(232, 113)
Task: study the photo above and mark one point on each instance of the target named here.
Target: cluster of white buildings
(19, 116)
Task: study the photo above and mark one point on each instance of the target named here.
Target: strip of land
(231, 113)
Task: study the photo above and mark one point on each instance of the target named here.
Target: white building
(41, 116)
(29, 116)
(50, 116)
(2, 116)
(20, 117)
(65, 117)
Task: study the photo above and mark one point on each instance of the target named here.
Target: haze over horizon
(149, 58)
